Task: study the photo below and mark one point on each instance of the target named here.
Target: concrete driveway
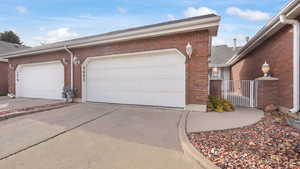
(88, 136)
(20, 103)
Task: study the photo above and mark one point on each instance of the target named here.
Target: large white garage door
(40, 80)
(156, 79)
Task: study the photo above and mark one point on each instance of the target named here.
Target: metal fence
(240, 92)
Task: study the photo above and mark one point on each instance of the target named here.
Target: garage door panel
(41, 81)
(139, 98)
(132, 86)
(143, 72)
(157, 80)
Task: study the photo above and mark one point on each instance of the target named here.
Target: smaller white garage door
(156, 79)
(44, 80)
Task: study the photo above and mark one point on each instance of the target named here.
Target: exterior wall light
(64, 61)
(11, 66)
(189, 50)
(76, 61)
(215, 69)
(265, 69)
(216, 74)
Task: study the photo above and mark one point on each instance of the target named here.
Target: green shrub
(3, 94)
(219, 105)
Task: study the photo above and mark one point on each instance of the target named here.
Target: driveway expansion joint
(60, 133)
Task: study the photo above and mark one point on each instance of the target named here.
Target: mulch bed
(35, 108)
(269, 144)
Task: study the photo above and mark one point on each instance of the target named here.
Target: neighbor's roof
(220, 55)
(6, 47)
(206, 22)
(291, 10)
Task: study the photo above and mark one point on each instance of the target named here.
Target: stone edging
(188, 149)
(27, 112)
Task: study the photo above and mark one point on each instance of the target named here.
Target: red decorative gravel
(269, 144)
(47, 106)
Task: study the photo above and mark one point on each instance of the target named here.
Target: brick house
(277, 43)
(4, 76)
(218, 69)
(6, 47)
(147, 65)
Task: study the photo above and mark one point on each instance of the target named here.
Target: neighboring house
(3, 77)
(6, 47)
(145, 66)
(218, 69)
(277, 43)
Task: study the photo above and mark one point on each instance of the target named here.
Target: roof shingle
(6, 47)
(221, 54)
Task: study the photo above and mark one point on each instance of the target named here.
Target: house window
(216, 73)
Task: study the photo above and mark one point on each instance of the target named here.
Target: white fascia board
(3, 60)
(259, 40)
(211, 24)
(218, 65)
(268, 30)
(143, 35)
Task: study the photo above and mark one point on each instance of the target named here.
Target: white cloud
(228, 31)
(218, 41)
(228, 40)
(21, 9)
(191, 12)
(122, 10)
(88, 24)
(171, 17)
(43, 28)
(252, 15)
(57, 35)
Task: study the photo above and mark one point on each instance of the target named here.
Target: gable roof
(6, 47)
(206, 22)
(291, 10)
(221, 54)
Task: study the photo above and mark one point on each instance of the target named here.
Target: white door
(44, 80)
(156, 79)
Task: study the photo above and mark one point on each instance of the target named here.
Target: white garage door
(40, 80)
(156, 79)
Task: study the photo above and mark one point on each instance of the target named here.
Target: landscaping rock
(270, 143)
(270, 108)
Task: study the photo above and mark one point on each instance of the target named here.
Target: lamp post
(265, 69)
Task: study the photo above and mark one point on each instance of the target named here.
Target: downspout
(71, 65)
(296, 54)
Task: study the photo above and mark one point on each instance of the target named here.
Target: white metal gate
(240, 92)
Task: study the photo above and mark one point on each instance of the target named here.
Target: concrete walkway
(207, 121)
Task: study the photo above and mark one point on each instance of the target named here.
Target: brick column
(267, 91)
(197, 83)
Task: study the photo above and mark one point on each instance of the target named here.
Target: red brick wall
(197, 67)
(267, 93)
(3, 77)
(278, 52)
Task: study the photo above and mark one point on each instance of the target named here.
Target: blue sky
(46, 21)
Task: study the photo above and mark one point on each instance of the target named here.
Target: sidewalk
(208, 121)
